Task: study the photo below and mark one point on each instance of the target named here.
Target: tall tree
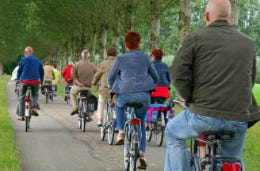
(185, 18)
(155, 22)
(235, 13)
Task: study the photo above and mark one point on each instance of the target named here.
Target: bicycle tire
(149, 133)
(104, 123)
(111, 130)
(83, 124)
(79, 123)
(126, 147)
(83, 117)
(51, 97)
(46, 98)
(27, 124)
(159, 134)
(134, 150)
(110, 135)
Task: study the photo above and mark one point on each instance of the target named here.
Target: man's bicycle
(214, 161)
(133, 135)
(47, 91)
(85, 108)
(67, 89)
(109, 117)
(28, 109)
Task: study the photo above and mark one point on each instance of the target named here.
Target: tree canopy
(61, 29)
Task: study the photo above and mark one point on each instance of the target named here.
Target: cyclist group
(213, 71)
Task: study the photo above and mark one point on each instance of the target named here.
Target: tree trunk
(234, 13)
(116, 29)
(184, 25)
(93, 40)
(82, 40)
(155, 30)
(1, 68)
(103, 44)
(128, 13)
(185, 18)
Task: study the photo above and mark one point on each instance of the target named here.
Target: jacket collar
(219, 23)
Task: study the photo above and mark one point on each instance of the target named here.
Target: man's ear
(207, 17)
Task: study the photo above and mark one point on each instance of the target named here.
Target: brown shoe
(20, 118)
(34, 112)
(143, 164)
(75, 111)
(120, 139)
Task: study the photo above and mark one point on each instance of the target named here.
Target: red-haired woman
(132, 78)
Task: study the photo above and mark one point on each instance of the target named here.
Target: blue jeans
(122, 99)
(188, 125)
(22, 93)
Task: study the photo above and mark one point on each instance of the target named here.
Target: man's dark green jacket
(214, 70)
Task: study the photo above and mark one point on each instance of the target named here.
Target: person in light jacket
(101, 76)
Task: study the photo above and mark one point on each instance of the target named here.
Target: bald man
(214, 72)
(30, 74)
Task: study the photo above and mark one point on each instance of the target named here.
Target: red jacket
(66, 73)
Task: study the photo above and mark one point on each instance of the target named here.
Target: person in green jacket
(214, 72)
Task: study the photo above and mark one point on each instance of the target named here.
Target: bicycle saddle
(219, 135)
(134, 104)
(84, 93)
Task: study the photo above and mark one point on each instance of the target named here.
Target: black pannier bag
(92, 103)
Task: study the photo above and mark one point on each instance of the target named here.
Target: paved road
(55, 143)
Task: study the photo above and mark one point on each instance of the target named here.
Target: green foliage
(258, 70)
(8, 154)
(62, 28)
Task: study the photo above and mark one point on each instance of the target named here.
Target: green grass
(256, 91)
(251, 153)
(9, 160)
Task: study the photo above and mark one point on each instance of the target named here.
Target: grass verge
(256, 91)
(9, 160)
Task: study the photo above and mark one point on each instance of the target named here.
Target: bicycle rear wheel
(110, 134)
(27, 124)
(149, 132)
(104, 124)
(83, 117)
(159, 134)
(134, 152)
(127, 147)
